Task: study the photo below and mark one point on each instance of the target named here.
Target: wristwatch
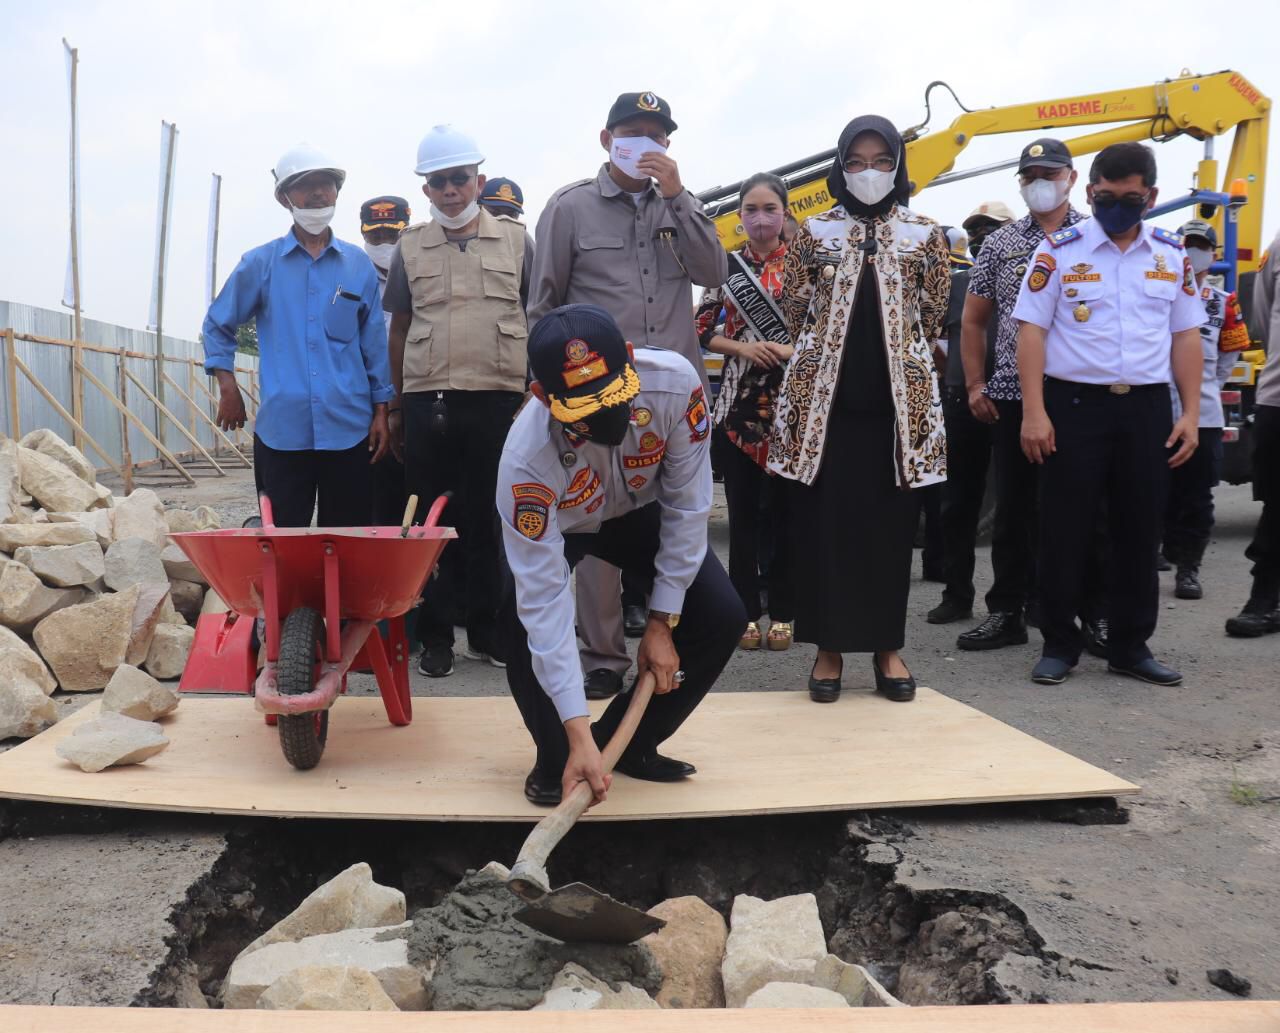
(669, 619)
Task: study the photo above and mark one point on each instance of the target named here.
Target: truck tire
(302, 736)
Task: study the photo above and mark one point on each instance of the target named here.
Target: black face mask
(606, 427)
(975, 247)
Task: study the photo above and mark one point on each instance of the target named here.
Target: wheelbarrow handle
(528, 876)
(264, 507)
(437, 507)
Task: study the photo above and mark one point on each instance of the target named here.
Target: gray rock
(18, 661)
(187, 598)
(381, 952)
(100, 521)
(170, 647)
(179, 567)
(136, 694)
(326, 988)
(141, 515)
(64, 566)
(84, 644)
(770, 941)
(46, 442)
(24, 708)
(690, 949)
(794, 995)
(14, 536)
(133, 561)
(110, 740)
(478, 957)
(25, 600)
(53, 485)
(576, 989)
(10, 479)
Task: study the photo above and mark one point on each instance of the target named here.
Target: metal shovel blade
(579, 914)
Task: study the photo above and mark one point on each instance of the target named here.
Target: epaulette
(1167, 237)
(1059, 237)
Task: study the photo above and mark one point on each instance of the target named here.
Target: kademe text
(1069, 109)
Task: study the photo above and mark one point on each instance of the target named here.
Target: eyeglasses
(1128, 200)
(1034, 172)
(879, 164)
(458, 179)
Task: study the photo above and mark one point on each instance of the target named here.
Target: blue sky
(752, 84)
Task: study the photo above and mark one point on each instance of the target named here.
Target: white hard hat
(446, 148)
(301, 159)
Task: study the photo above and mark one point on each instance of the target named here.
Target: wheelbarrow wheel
(302, 736)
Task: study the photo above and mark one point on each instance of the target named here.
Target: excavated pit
(934, 947)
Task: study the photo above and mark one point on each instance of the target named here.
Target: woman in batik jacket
(858, 422)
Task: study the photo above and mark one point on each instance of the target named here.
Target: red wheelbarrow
(320, 592)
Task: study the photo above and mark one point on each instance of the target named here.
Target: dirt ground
(1138, 911)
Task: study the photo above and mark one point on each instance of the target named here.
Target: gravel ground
(1188, 884)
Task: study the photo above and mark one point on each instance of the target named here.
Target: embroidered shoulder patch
(696, 416)
(1059, 237)
(1188, 277)
(1167, 236)
(1041, 271)
(589, 488)
(637, 482)
(532, 505)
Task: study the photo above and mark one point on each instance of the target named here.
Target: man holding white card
(632, 240)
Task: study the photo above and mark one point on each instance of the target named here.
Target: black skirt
(852, 535)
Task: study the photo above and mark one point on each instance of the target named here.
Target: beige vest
(468, 331)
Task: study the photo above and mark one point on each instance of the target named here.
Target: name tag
(1082, 277)
(1156, 274)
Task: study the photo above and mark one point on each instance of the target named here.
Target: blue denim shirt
(323, 360)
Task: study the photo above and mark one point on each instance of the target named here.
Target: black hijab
(901, 192)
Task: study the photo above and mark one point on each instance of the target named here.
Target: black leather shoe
(949, 610)
(1254, 620)
(1162, 564)
(1096, 637)
(633, 620)
(900, 690)
(654, 768)
(996, 632)
(541, 789)
(1186, 583)
(1050, 671)
(602, 683)
(823, 690)
(1148, 670)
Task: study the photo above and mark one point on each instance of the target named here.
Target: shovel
(577, 913)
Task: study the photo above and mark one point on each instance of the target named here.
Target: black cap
(504, 194)
(579, 356)
(633, 105)
(1047, 153)
(387, 212)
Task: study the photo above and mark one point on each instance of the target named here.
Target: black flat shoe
(1255, 620)
(900, 690)
(949, 610)
(1149, 670)
(823, 690)
(602, 683)
(542, 790)
(997, 631)
(634, 619)
(655, 768)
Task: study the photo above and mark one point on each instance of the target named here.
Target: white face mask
(1044, 195)
(456, 222)
(626, 151)
(380, 254)
(870, 186)
(1201, 258)
(313, 220)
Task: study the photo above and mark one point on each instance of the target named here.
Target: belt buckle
(1119, 389)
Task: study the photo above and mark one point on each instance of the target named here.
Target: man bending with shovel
(612, 463)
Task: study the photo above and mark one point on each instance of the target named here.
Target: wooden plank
(81, 433)
(11, 379)
(146, 431)
(1160, 1017)
(466, 759)
(163, 410)
(195, 410)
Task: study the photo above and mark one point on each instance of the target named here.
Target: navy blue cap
(579, 356)
(504, 194)
(1199, 228)
(1046, 153)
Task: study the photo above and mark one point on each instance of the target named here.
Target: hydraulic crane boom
(1200, 106)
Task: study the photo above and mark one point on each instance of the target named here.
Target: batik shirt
(997, 276)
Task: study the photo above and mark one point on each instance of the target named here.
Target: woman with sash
(755, 345)
(858, 420)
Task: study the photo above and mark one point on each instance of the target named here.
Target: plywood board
(1177, 1017)
(466, 759)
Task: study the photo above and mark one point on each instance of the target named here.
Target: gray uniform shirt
(637, 262)
(543, 494)
(1266, 316)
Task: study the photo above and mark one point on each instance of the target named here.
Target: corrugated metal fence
(51, 360)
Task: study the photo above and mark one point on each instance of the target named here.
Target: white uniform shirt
(1222, 337)
(542, 496)
(1110, 314)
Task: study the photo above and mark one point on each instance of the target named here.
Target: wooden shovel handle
(410, 508)
(553, 828)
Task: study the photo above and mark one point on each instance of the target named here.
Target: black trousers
(1264, 550)
(461, 457)
(1013, 536)
(747, 491)
(969, 443)
(389, 496)
(710, 626)
(1188, 516)
(933, 555)
(1110, 451)
(300, 482)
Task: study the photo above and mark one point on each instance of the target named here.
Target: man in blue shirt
(326, 381)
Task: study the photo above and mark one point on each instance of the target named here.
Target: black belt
(1111, 389)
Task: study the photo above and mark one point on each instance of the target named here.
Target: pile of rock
(348, 947)
(88, 581)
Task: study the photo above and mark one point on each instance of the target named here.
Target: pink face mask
(762, 225)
